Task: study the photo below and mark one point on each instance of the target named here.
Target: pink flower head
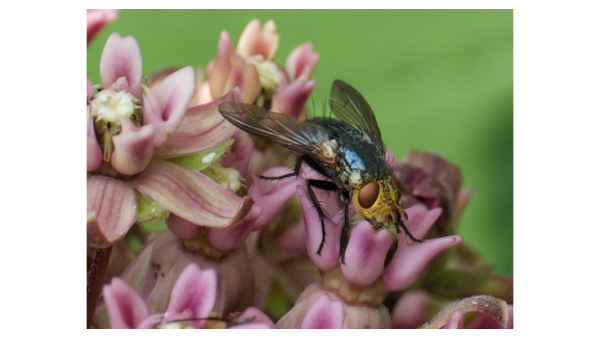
(152, 143)
(264, 83)
(193, 296)
(367, 249)
(492, 313)
(97, 19)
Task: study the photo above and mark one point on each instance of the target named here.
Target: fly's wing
(349, 106)
(283, 129)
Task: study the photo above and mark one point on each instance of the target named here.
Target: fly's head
(379, 201)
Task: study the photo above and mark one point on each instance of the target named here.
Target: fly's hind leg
(323, 185)
(295, 173)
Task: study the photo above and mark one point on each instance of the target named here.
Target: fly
(348, 151)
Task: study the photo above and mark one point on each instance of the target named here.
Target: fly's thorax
(376, 200)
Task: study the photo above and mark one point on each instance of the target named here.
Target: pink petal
(410, 310)
(126, 308)
(245, 76)
(240, 153)
(251, 326)
(97, 19)
(420, 220)
(293, 239)
(260, 318)
(331, 249)
(182, 228)
(301, 62)
(122, 57)
(271, 195)
(324, 313)
(90, 89)
(114, 205)
(436, 166)
(257, 41)
(94, 152)
(193, 296)
(411, 260)
(486, 321)
(290, 99)
(457, 321)
(234, 236)
(133, 148)
(219, 72)
(191, 195)
(202, 128)
(171, 99)
(365, 254)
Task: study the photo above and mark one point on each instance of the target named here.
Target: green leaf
(202, 160)
(148, 211)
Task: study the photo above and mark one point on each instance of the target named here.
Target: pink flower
(193, 296)
(97, 19)
(151, 143)
(252, 69)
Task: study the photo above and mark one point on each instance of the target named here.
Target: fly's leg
(323, 185)
(295, 173)
(345, 238)
(401, 223)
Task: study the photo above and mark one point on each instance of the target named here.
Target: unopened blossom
(193, 297)
(97, 19)
(251, 67)
(491, 313)
(143, 148)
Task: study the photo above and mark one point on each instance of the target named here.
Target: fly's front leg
(345, 238)
(400, 222)
(326, 186)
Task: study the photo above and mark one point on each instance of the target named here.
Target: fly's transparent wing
(283, 129)
(349, 106)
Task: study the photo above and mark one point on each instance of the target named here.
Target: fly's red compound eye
(368, 195)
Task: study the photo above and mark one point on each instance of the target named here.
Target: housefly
(348, 151)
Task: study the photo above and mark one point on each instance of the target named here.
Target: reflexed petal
(409, 311)
(301, 62)
(181, 228)
(331, 249)
(113, 203)
(257, 41)
(457, 321)
(293, 239)
(260, 318)
(494, 307)
(172, 95)
(290, 99)
(234, 236)
(94, 152)
(411, 260)
(219, 72)
(420, 219)
(193, 295)
(126, 308)
(240, 154)
(324, 313)
(485, 321)
(122, 57)
(191, 195)
(271, 195)
(97, 19)
(202, 128)
(366, 254)
(90, 89)
(133, 148)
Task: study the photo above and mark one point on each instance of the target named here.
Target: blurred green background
(437, 80)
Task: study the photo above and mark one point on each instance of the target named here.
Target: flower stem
(94, 286)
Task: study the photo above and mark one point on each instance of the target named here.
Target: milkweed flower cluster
(159, 152)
